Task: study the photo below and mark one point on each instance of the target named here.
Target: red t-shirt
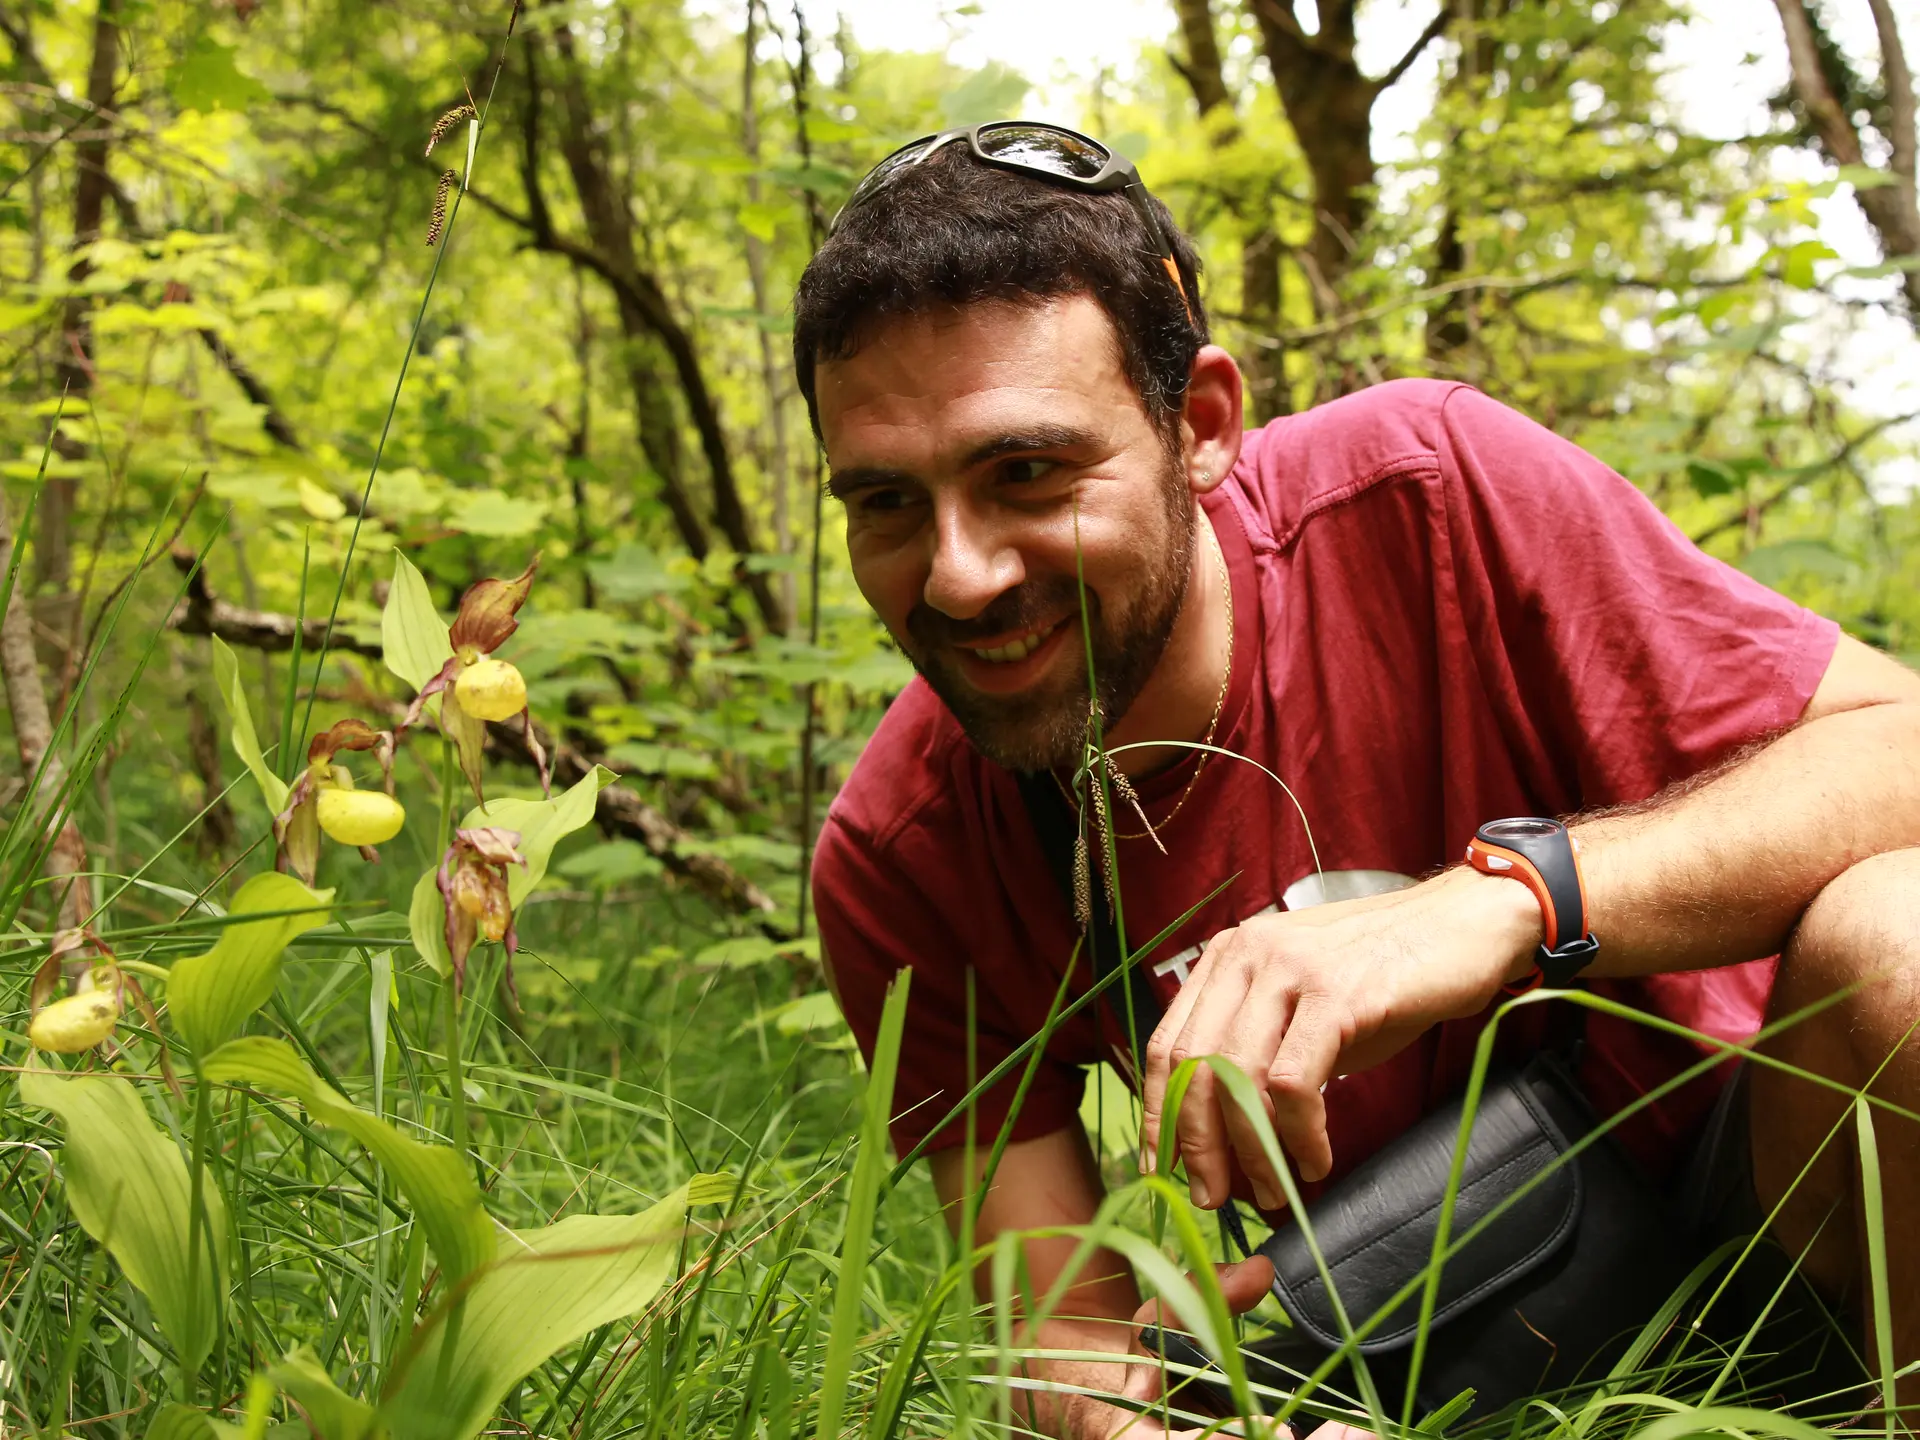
(1444, 614)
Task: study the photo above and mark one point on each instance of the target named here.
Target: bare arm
(1045, 1182)
(1053, 1181)
(1718, 871)
(1712, 872)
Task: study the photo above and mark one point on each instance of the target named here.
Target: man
(1418, 610)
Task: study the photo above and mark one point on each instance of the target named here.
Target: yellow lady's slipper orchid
(360, 817)
(491, 690)
(79, 1022)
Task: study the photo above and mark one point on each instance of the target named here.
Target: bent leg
(1863, 929)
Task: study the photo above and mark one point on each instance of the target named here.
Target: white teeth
(1018, 649)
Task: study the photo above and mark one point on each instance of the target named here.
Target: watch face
(1520, 829)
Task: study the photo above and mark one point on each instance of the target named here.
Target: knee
(1865, 925)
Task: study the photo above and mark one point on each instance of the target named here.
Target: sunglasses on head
(1051, 153)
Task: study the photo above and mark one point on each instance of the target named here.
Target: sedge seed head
(360, 817)
(491, 690)
(76, 1023)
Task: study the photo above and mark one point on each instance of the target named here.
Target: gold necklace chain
(1213, 725)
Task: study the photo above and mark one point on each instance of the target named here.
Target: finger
(1160, 1062)
(1295, 1080)
(1201, 1127)
(1242, 1283)
(1259, 1031)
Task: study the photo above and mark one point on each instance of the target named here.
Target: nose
(974, 562)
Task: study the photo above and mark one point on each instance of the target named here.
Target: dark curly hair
(954, 231)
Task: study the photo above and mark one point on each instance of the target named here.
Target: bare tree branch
(1890, 209)
(1436, 27)
(1897, 76)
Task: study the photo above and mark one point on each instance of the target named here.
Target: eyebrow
(1029, 440)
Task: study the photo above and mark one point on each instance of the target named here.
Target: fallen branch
(619, 811)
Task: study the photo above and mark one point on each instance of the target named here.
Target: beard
(1045, 727)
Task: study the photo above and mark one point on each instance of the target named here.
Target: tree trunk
(1329, 105)
(645, 312)
(778, 466)
(65, 866)
(1264, 362)
(53, 555)
(1890, 209)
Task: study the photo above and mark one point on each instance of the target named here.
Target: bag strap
(1055, 822)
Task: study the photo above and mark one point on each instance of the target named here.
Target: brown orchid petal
(487, 609)
(469, 737)
(539, 753)
(297, 830)
(348, 735)
(45, 981)
(496, 915)
(494, 844)
(468, 890)
(300, 843)
(433, 687)
(460, 930)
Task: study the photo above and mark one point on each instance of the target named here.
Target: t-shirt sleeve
(875, 921)
(1633, 659)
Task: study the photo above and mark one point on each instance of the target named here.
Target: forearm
(1719, 871)
(1074, 1416)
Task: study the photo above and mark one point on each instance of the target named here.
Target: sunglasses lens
(877, 177)
(1041, 147)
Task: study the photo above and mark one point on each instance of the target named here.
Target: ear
(1210, 419)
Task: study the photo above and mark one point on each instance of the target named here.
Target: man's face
(975, 450)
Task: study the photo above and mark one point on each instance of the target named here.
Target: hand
(1242, 1285)
(1295, 999)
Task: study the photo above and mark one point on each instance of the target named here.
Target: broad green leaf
(738, 952)
(548, 1288)
(246, 743)
(334, 1414)
(320, 504)
(1796, 268)
(427, 924)
(542, 825)
(183, 1422)
(205, 78)
(128, 1186)
(492, 514)
(433, 1177)
(210, 996)
(413, 637)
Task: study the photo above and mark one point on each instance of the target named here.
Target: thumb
(1242, 1285)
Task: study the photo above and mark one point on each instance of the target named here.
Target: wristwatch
(1544, 857)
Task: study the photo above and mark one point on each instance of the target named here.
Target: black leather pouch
(1552, 1291)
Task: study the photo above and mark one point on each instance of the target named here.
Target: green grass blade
(1874, 1218)
(863, 1196)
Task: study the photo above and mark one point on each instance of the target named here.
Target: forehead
(924, 384)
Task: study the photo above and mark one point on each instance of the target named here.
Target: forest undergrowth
(506, 1133)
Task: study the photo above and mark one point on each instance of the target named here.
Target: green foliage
(1551, 235)
(545, 1289)
(211, 995)
(432, 1176)
(128, 1187)
(246, 744)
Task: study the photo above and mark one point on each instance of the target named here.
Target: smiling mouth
(1018, 648)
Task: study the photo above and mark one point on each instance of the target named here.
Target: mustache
(1025, 607)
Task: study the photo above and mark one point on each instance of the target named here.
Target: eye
(1026, 472)
(881, 500)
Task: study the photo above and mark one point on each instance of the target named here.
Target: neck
(1180, 697)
